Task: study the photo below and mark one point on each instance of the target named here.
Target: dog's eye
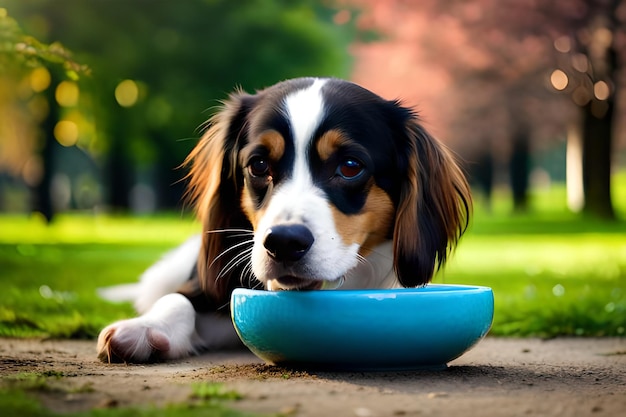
(350, 169)
(259, 167)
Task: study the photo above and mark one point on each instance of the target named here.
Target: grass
(51, 273)
(548, 285)
(552, 272)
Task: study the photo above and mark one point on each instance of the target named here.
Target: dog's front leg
(166, 331)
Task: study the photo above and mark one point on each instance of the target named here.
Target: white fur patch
(167, 328)
(305, 110)
(298, 200)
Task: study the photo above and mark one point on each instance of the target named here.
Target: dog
(313, 183)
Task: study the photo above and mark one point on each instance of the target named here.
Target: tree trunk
(598, 116)
(170, 183)
(519, 169)
(596, 155)
(42, 192)
(482, 175)
(119, 169)
(574, 170)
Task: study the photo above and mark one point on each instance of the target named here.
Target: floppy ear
(433, 210)
(214, 188)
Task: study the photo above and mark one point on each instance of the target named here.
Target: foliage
(508, 78)
(178, 59)
(19, 49)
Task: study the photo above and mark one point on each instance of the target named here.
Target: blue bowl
(417, 328)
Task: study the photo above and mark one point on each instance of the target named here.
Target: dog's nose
(288, 243)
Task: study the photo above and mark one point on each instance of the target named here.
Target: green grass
(50, 273)
(548, 285)
(552, 272)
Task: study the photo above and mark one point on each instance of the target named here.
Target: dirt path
(499, 377)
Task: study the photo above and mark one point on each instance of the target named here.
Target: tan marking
(275, 145)
(270, 140)
(250, 210)
(370, 227)
(330, 142)
(274, 142)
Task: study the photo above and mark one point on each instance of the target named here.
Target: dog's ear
(434, 206)
(214, 186)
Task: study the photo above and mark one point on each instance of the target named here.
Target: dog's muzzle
(287, 244)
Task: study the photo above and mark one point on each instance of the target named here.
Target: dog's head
(297, 184)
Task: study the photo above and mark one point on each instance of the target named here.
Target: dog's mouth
(293, 283)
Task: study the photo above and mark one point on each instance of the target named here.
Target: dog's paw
(166, 331)
(135, 342)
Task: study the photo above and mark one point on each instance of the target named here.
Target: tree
(491, 64)
(179, 59)
(19, 54)
(481, 81)
(589, 72)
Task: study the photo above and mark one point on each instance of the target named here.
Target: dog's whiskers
(235, 261)
(229, 230)
(243, 256)
(230, 249)
(378, 252)
(364, 261)
(253, 283)
(242, 232)
(247, 273)
(223, 306)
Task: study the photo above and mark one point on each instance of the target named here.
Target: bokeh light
(66, 133)
(603, 37)
(563, 44)
(601, 90)
(127, 93)
(67, 94)
(559, 80)
(39, 79)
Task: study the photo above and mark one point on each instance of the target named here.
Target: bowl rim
(423, 291)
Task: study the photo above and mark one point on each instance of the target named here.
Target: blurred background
(101, 100)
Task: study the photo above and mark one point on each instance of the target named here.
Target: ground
(499, 377)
